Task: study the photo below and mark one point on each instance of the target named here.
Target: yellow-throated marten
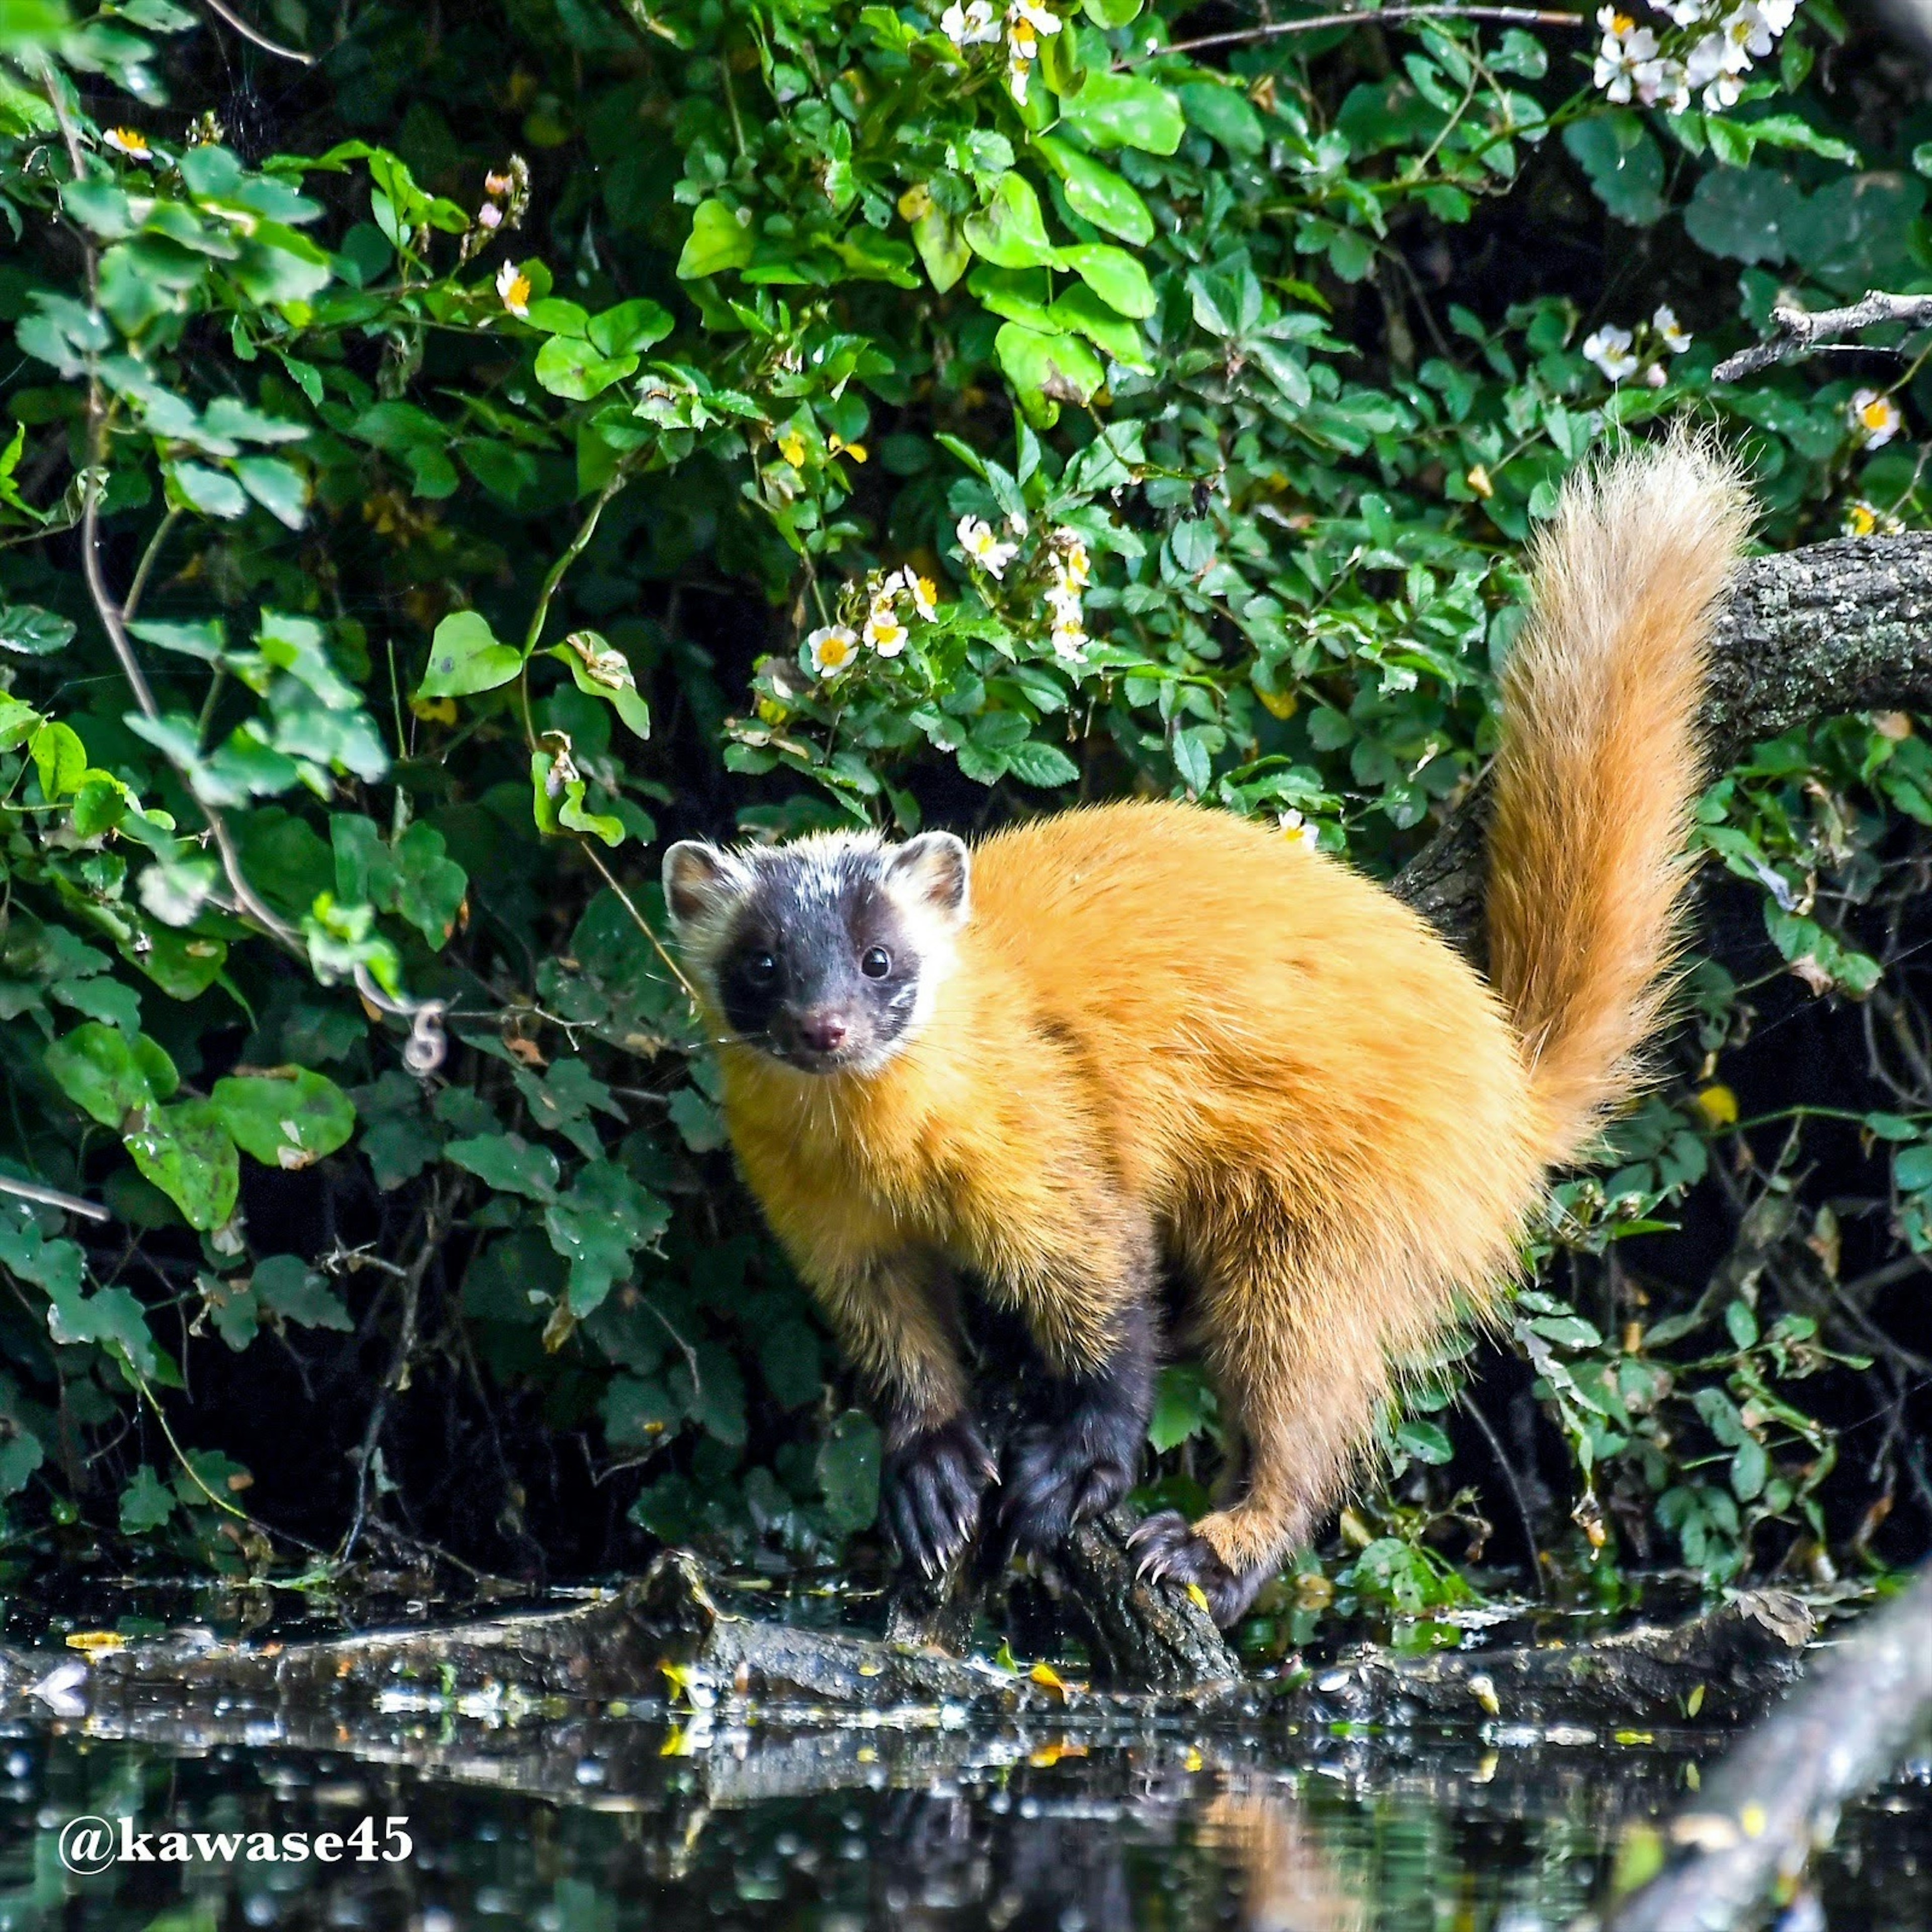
(1152, 1038)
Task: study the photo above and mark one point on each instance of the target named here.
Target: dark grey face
(819, 967)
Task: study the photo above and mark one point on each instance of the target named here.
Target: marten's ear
(699, 881)
(933, 871)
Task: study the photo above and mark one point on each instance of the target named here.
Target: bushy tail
(1599, 768)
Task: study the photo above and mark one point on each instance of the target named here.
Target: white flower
(1016, 523)
(1610, 350)
(971, 26)
(1297, 830)
(128, 141)
(833, 648)
(1025, 24)
(883, 631)
(1069, 641)
(1749, 30)
(1071, 563)
(1627, 62)
(924, 593)
(1777, 15)
(1687, 13)
(1017, 71)
(1670, 333)
(513, 289)
(1654, 377)
(1876, 418)
(978, 543)
(489, 216)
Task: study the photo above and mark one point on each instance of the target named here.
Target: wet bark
(666, 1649)
(1745, 1841)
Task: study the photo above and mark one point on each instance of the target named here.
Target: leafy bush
(437, 473)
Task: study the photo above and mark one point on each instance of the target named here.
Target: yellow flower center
(517, 294)
(1621, 23)
(1877, 413)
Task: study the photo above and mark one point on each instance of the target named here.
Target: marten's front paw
(931, 1485)
(1171, 1550)
(1059, 1473)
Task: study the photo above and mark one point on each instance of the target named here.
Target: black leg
(930, 1487)
(1084, 1453)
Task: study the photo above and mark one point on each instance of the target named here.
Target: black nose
(823, 1029)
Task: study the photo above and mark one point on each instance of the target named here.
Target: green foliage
(833, 419)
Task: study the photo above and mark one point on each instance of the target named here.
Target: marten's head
(823, 953)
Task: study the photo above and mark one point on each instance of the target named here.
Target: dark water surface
(587, 1820)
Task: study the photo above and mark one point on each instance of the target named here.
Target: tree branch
(1837, 627)
(1797, 332)
(1776, 1798)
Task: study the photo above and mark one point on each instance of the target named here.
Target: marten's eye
(877, 963)
(761, 968)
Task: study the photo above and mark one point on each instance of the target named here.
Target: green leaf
(60, 759)
(288, 1119)
(1118, 110)
(297, 1293)
(507, 1164)
(146, 1504)
(213, 492)
(1424, 1441)
(848, 1472)
(1108, 14)
(108, 1075)
(465, 658)
(942, 246)
(1114, 275)
(1184, 1406)
(575, 369)
(629, 328)
(1035, 763)
(1097, 193)
(598, 1225)
(598, 669)
(1009, 231)
(718, 240)
(1060, 367)
(18, 1458)
(186, 1152)
(1624, 163)
(1741, 1321)
(29, 631)
(1221, 109)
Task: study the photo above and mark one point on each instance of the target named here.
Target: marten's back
(1248, 1003)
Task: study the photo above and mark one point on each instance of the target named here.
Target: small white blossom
(972, 26)
(1610, 350)
(1674, 337)
(1627, 62)
(1654, 377)
(513, 289)
(833, 648)
(1071, 563)
(978, 543)
(924, 593)
(883, 631)
(1297, 830)
(1069, 642)
(1686, 13)
(1876, 418)
(128, 141)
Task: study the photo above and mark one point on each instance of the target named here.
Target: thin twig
(1527, 16)
(1797, 332)
(436, 1222)
(132, 602)
(643, 925)
(260, 39)
(51, 1197)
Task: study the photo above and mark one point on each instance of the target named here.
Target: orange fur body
(1167, 1038)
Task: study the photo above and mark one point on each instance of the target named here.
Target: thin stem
(148, 556)
(257, 38)
(51, 1197)
(620, 477)
(1530, 16)
(643, 925)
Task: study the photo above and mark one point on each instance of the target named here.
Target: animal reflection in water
(1041, 1870)
(1292, 1884)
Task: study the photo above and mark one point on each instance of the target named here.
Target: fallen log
(1745, 1841)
